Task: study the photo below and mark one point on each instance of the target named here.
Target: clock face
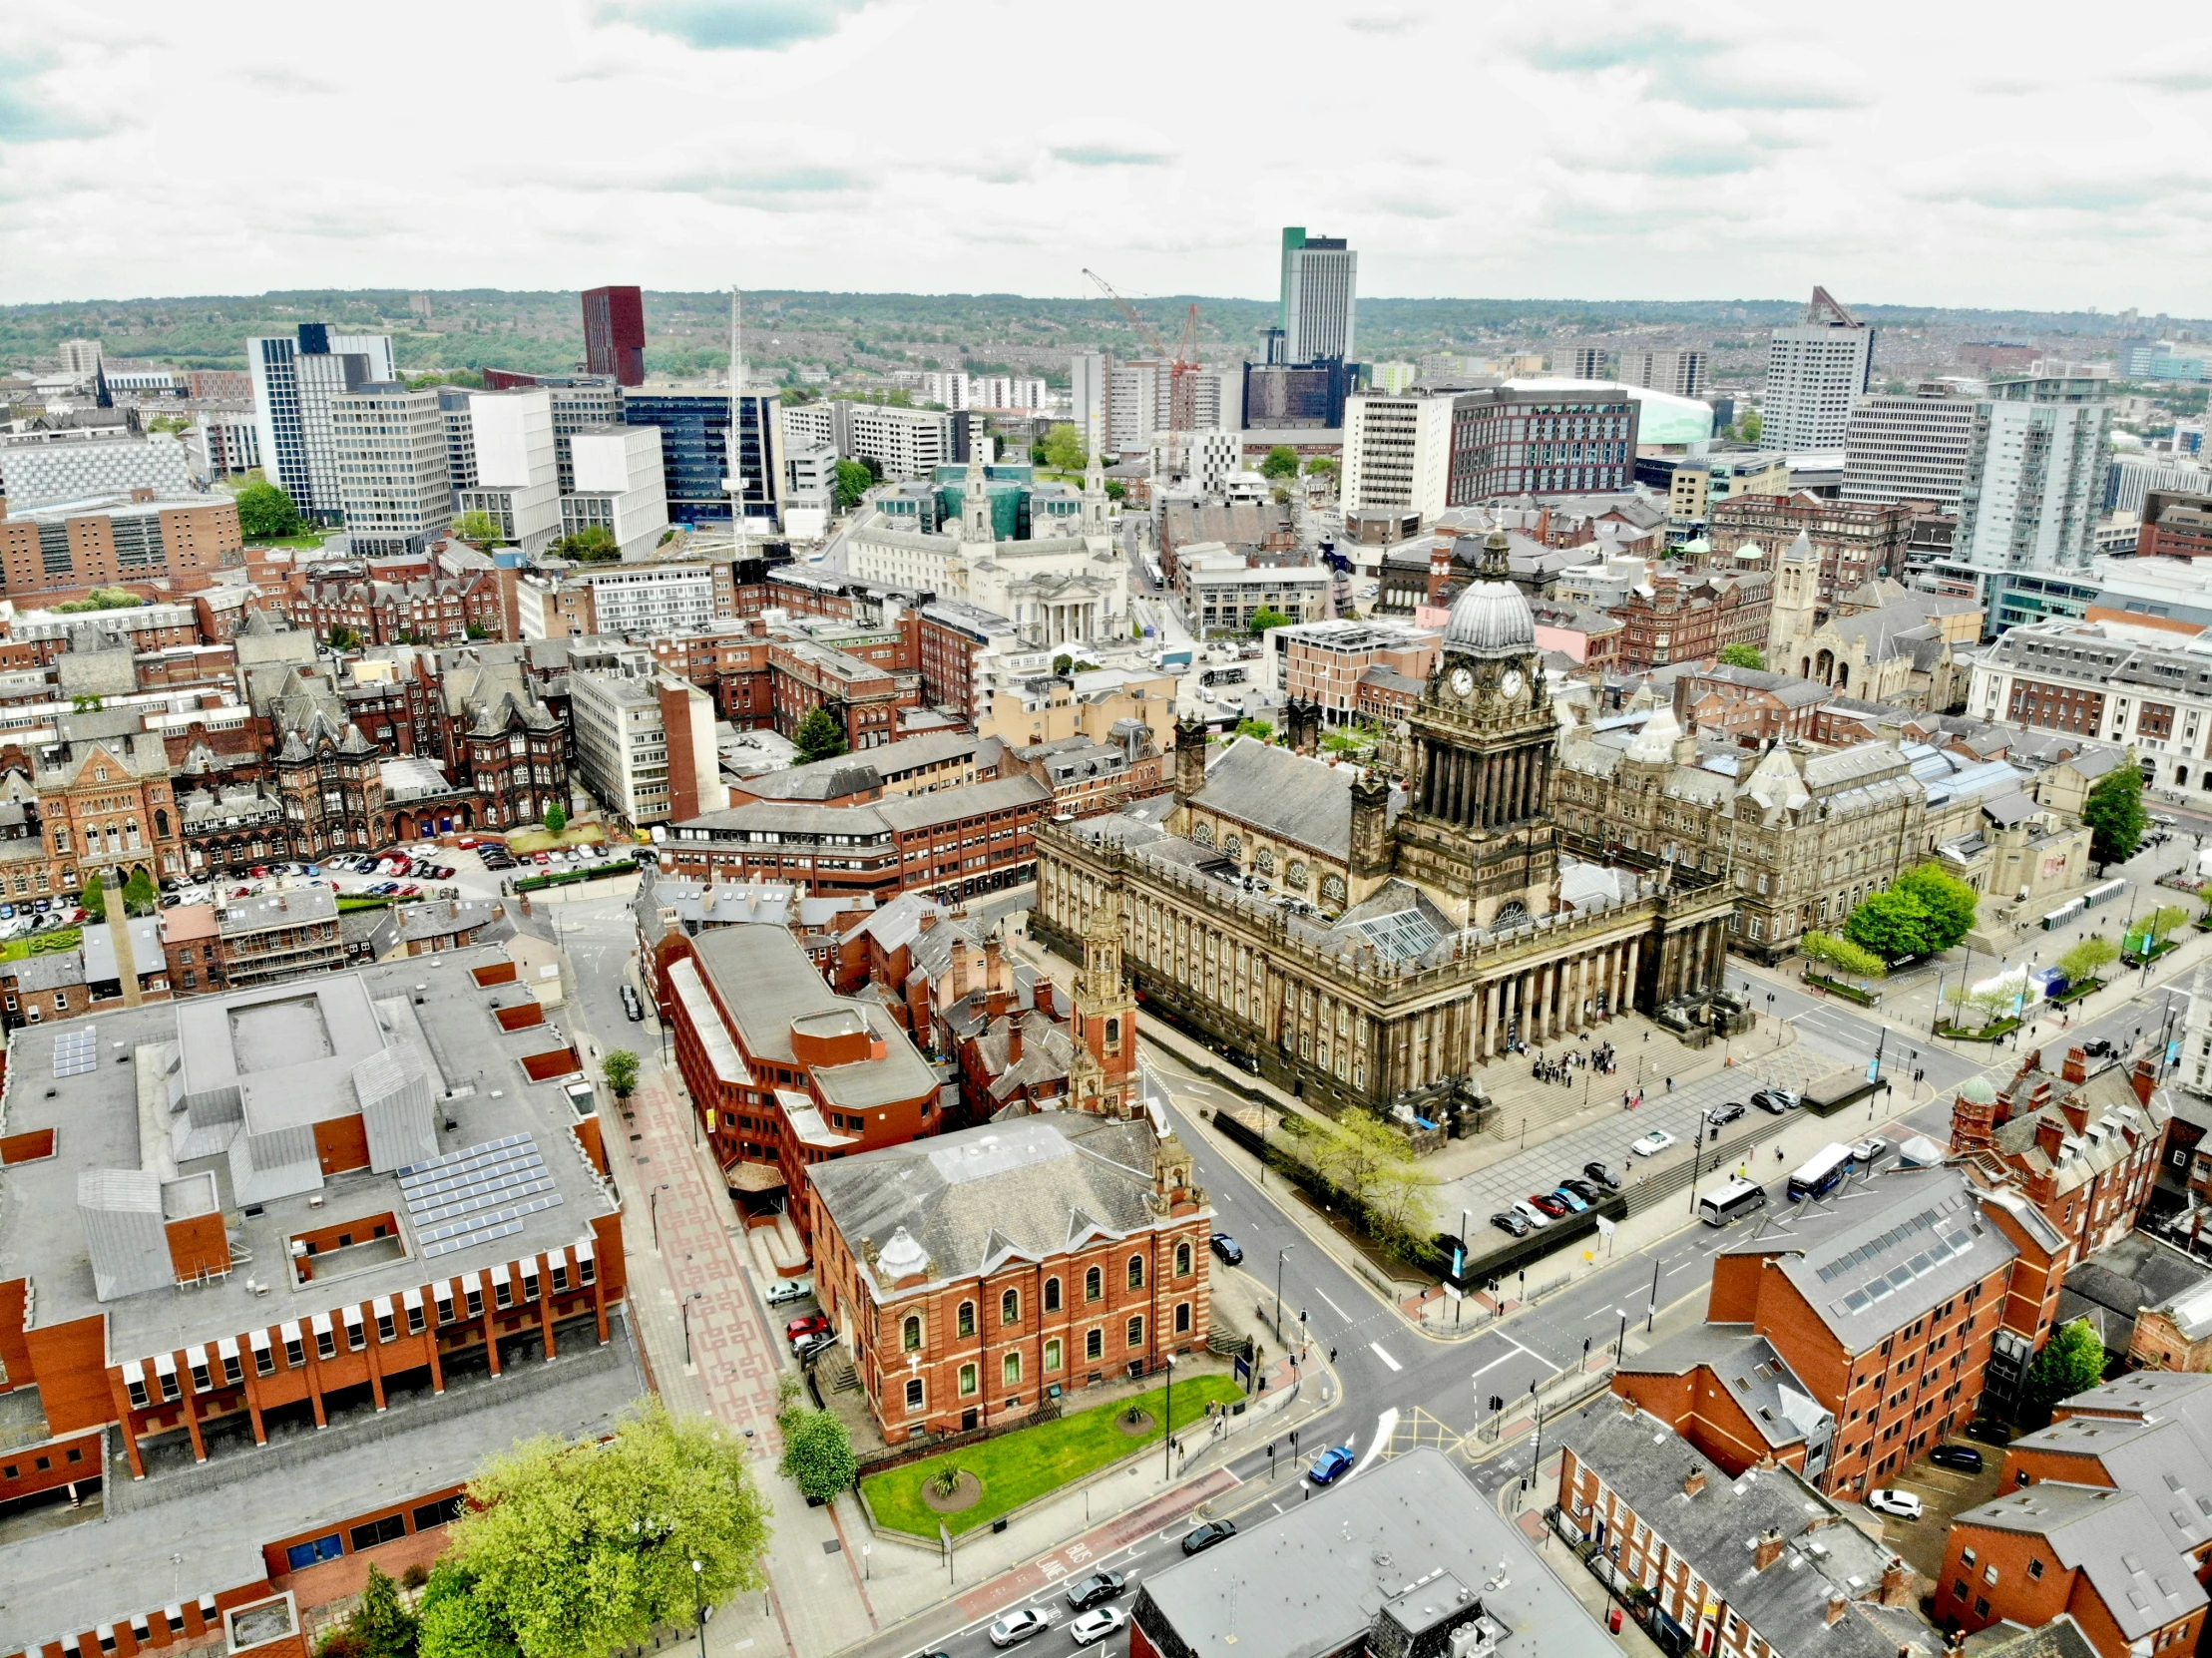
(1461, 680)
(1511, 684)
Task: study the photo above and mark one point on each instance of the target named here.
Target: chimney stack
(2076, 1067)
(1897, 1584)
(2051, 1135)
(2143, 1079)
(118, 934)
(1769, 1551)
(1836, 1601)
(1693, 1481)
(1013, 1043)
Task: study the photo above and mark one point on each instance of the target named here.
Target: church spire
(975, 500)
(1497, 556)
(1095, 495)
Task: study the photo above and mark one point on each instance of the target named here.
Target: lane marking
(1376, 1349)
(1531, 1352)
(1384, 1426)
(1340, 1312)
(1492, 1365)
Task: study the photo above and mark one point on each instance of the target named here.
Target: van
(1732, 1202)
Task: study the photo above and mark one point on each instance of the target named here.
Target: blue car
(1331, 1465)
(1570, 1200)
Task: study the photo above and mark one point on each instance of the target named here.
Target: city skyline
(1627, 159)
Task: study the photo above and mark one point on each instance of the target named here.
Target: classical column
(1635, 963)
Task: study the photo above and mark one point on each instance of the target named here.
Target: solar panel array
(75, 1053)
(1941, 1247)
(467, 1197)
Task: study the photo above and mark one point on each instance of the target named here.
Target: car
(1777, 1101)
(1584, 1189)
(1574, 1201)
(1725, 1114)
(1652, 1144)
(632, 1009)
(805, 1324)
(1603, 1175)
(1870, 1151)
(787, 1290)
(1988, 1432)
(1902, 1505)
(1093, 1589)
(7, 910)
(1097, 1626)
(1017, 1627)
(1204, 1538)
(812, 1345)
(1512, 1225)
(44, 905)
(1331, 1465)
(1228, 1249)
(2096, 1048)
(1964, 1458)
(1555, 1207)
(1530, 1215)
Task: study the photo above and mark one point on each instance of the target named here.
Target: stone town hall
(1370, 941)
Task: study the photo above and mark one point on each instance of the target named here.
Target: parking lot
(1943, 1493)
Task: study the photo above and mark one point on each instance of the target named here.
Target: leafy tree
(817, 1452)
(1342, 742)
(267, 512)
(1742, 656)
(2073, 1361)
(344, 639)
(477, 630)
(620, 1072)
(1951, 904)
(1267, 617)
(139, 895)
(2115, 816)
(1842, 955)
(1281, 463)
(2145, 934)
(1062, 663)
(576, 1549)
(2086, 959)
(1255, 728)
(819, 736)
(853, 481)
(1321, 466)
(453, 1624)
(94, 899)
(1893, 923)
(480, 530)
(103, 599)
(383, 1627)
(556, 819)
(1749, 427)
(592, 542)
(1117, 489)
(1063, 449)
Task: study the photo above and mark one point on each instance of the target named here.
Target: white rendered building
(1816, 370)
(2034, 478)
(619, 485)
(1911, 448)
(389, 455)
(516, 483)
(1398, 453)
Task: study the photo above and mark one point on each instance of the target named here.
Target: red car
(810, 1323)
(1549, 1204)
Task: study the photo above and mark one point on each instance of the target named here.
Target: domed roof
(1490, 618)
(1976, 1090)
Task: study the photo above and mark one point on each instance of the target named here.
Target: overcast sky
(1938, 154)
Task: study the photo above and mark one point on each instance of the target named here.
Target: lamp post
(696, 1294)
(1697, 1155)
(1167, 1431)
(653, 1206)
(698, 1594)
(1279, 1254)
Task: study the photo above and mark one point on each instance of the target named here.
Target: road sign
(1604, 1227)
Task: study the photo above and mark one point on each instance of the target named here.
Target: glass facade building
(695, 450)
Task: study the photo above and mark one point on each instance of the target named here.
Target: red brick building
(1750, 707)
(1691, 618)
(2175, 527)
(863, 697)
(1856, 541)
(972, 1277)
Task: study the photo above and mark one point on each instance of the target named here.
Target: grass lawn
(544, 840)
(1020, 1467)
(287, 540)
(62, 937)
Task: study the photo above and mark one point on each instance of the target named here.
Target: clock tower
(1478, 825)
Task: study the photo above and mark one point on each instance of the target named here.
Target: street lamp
(696, 1294)
(698, 1594)
(1167, 1432)
(652, 1206)
(1697, 1155)
(1279, 1254)
(1620, 1347)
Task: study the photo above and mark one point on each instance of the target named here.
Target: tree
(477, 630)
(1321, 466)
(1281, 462)
(1267, 617)
(380, 1624)
(344, 639)
(1117, 489)
(620, 1072)
(94, 899)
(267, 512)
(819, 736)
(1063, 664)
(479, 530)
(2115, 816)
(1842, 955)
(557, 818)
(1749, 427)
(817, 1452)
(1742, 656)
(853, 481)
(2148, 933)
(1063, 449)
(1255, 728)
(571, 1550)
(139, 895)
(2071, 1361)
(1952, 905)
(1893, 925)
(592, 542)
(2086, 959)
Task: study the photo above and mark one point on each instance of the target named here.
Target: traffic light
(1497, 1402)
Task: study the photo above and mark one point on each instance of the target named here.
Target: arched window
(1332, 889)
(1137, 1331)
(1009, 1369)
(967, 1380)
(1203, 834)
(1295, 875)
(1053, 1359)
(1265, 859)
(910, 1335)
(1137, 1272)
(1234, 846)
(1093, 1344)
(1094, 1284)
(1114, 1033)
(1052, 1294)
(966, 1318)
(161, 823)
(1010, 1306)
(1182, 1260)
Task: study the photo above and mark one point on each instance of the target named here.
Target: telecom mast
(735, 480)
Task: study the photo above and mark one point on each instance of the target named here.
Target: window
(2034, 1568)
(966, 1323)
(913, 1392)
(431, 1515)
(295, 1351)
(264, 1362)
(414, 1317)
(375, 1531)
(1959, 1589)
(1093, 1344)
(1989, 1573)
(1980, 1606)
(1052, 1355)
(1137, 1331)
(1093, 1285)
(560, 1277)
(326, 1341)
(1052, 1294)
(502, 1293)
(356, 1337)
(967, 1380)
(387, 1329)
(139, 1398)
(1182, 1317)
(1137, 1272)
(475, 1298)
(910, 1335)
(1010, 1306)
(1182, 1260)
(1009, 1369)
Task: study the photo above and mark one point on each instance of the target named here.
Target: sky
(1905, 153)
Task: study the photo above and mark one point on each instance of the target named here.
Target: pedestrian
(1670, 1084)
(1332, 1355)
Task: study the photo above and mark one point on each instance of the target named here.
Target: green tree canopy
(1063, 449)
(854, 479)
(1842, 955)
(1255, 728)
(557, 817)
(573, 1550)
(479, 530)
(1267, 617)
(1952, 904)
(2086, 959)
(2115, 816)
(1892, 923)
(2147, 930)
(380, 1626)
(2073, 1361)
(139, 895)
(817, 1452)
(594, 544)
(1321, 466)
(267, 512)
(1742, 656)
(103, 599)
(620, 1072)
(1062, 663)
(1281, 462)
(819, 736)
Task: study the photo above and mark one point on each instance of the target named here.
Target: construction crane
(1183, 362)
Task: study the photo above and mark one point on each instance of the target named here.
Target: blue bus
(1821, 1175)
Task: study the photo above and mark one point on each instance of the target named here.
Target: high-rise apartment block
(1685, 373)
(1320, 279)
(294, 382)
(388, 457)
(516, 482)
(619, 486)
(614, 334)
(1088, 398)
(1398, 453)
(2035, 475)
(1815, 372)
(80, 358)
(1912, 447)
(1586, 362)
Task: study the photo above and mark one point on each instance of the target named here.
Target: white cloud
(1586, 149)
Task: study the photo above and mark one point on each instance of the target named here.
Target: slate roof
(2060, 1638)
(2164, 1462)
(1283, 793)
(2113, 1538)
(1755, 1376)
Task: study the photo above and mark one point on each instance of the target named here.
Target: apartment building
(2176, 525)
(1323, 662)
(1911, 446)
(614, 334)
(116, 538)
(1816, 371)
(227, 442)
(294, 380)
(862, 696)
(281, 935)
(388, 461)
(515, 480)
(1541, 439)
(1223, 592)
(2035, 477)
(622, 743)
(2129, 681)
(905, 443)
(45, 469)
(1854, 540)
(1681, 372)
(1397, 453)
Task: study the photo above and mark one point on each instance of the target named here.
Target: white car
(1017, 1627)
(1868, 1153)
(1904, 1505)
(1531, 1214)
(1098, 1623)
(1652, 1144)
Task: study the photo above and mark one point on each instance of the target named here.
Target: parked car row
(1573, 1196)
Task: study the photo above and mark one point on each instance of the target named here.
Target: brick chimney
(1899, 1584)
(1013, 1043)
(1769, 1551)
(1693, 1481)
(929, 920)
(960, 968)
(2076, 1068)
(2051, 1135)
(1836, 1601)
(2143, 1079)
(2076, 1113)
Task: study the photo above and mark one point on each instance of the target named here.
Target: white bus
(1823, 1174)
(1732, 1202)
